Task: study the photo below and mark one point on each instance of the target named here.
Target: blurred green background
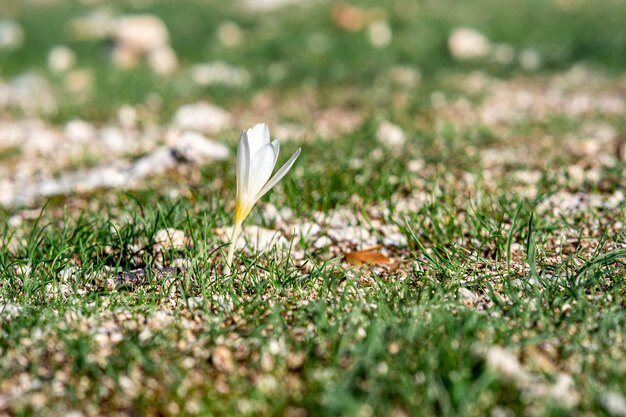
(319, 44)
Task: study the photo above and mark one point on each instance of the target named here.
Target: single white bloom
(256, 159)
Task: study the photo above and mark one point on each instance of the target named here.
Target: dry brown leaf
(360, 257)
(347, 17)
(353, 18)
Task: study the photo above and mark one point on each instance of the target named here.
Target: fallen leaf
(354, 19)
(349, 18)
(360, 257)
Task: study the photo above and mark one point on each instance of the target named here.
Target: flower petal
(261, 168)
(278, 176)
(276, 146)
(243, 165)
(258, 136)
(242, 209)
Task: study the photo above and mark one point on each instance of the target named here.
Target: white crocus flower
(256, 158)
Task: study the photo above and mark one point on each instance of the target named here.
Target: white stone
(202, 117)
(42, 140)
(156, 162)
(61, 58)
(127, 116)
(220, 73)
(438, 99)
(503, 53)
(564, 391)
(404, 76)
(11, 35)
(305, 231)
(527, 177)
(271, 5)
(291, 131)
(392, 236)
(96, 25)
(170, 238)
(270, 212)
(78, 80)
(229, 34)
(32, 93)
(467, 295)
(353, 234)
(506, 363)
(416, 165)
(195, 147)
(103, 177)
(390, 135)
(141, 33)
(614, 403)
(529, 59)
(379, 34)
(257, 238)
(467, 43)
(125, 58)
(10, 311)
(115, 140)
(84, 181)
(79, 131)
(11, 134)
(15, 220)
(163, 60)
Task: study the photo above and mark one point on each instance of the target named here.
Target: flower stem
(231, 249)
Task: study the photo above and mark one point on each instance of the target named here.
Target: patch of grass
(362, 341)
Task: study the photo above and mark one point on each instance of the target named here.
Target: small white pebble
(61, 58)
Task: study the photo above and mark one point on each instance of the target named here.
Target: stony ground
(450, 242)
